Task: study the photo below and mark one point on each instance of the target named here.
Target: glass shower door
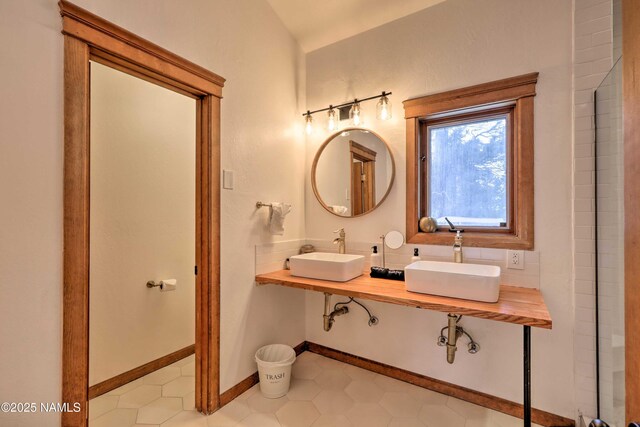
(609, 259)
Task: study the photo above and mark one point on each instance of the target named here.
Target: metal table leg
(527, 376)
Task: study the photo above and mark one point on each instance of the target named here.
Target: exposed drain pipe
(329, 316)
(328, 321)
(453, 335)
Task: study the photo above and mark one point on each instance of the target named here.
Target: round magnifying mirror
(394, 239)
(352, 172)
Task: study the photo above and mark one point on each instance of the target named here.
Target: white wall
(455, 44)
(31, 212)
(244, 42)
(143, 147)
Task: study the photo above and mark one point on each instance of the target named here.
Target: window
(470, 163)
(466, 170)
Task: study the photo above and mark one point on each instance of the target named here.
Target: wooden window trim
(89, 37)
(516, 91)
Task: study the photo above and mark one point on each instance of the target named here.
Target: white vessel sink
(458, 280)
(327, 266)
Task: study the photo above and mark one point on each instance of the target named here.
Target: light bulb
(332, 120)
(383, 108)
(354, 114)
(308, 124)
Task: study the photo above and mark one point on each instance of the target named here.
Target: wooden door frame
(89, 37)
(366, 156)
(631, 108)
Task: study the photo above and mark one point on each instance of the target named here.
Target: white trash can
(274, 368)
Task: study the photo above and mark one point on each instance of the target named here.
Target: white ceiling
(318, 23)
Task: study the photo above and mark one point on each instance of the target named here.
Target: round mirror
(393, 239)
(353, 172)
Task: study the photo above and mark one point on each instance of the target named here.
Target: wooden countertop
(522, 306)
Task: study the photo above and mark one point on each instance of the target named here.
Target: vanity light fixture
(332, 119)
(354, 114)
(383, 112)
(383, 108)
(308, 123)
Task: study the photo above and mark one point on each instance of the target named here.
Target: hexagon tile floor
(324, 393)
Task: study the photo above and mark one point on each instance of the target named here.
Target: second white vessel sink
(458, 280)
(327, 266)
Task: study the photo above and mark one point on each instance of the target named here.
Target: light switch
(227, 180)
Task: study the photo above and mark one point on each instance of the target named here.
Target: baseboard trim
(482, 399)
(251, 380)
(135, 373)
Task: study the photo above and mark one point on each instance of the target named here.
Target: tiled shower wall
(592, 60)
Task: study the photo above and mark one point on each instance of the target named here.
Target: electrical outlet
(515, 260)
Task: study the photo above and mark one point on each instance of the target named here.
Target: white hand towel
(276, 217)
